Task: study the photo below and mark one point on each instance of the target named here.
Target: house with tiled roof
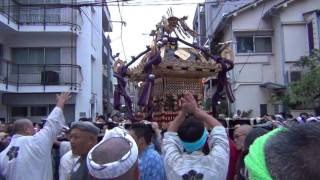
(265, 38)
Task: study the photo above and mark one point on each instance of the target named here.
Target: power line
(91, 22)
(173, 3)
(114, 3)
(157, 4)
(92, 3)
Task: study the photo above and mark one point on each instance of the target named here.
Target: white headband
(117, 168)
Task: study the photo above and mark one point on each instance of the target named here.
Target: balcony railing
(39, 74)
(37, 15)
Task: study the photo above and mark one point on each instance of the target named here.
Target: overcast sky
(140, 20)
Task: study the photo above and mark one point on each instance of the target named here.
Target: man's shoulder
(68, 157)
(153, 152)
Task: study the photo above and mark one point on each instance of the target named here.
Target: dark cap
(85, 126)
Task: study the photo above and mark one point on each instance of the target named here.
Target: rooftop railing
(23, 14)
(39, 74)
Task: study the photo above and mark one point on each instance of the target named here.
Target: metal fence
(23, 14)
(39, 74)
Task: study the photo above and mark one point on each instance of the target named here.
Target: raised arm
(54, 124)
(189, 105)
(217, 139)
(171, 146)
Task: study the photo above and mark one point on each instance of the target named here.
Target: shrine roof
(181, 62)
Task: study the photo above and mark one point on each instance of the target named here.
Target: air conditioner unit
(49, 78)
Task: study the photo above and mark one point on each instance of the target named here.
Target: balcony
(38, 77)
(22, 17)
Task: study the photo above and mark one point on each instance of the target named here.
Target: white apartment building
(48, 49)
(266, 37)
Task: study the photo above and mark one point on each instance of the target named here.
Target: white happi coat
(29, 157)
(213, 166)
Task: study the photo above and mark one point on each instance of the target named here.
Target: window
(52, 56)
(295, 76)
(53, 14)
(34, 14)
(2, 71)
(38, 111)
(263, 45)
(245, 44)
(2, 6)
(254, 44)
(20, 56)
(19, 111)
(310, 36)
(1, 51)
(263, 110)
(37, 56)
(37, 14)
(51, 107)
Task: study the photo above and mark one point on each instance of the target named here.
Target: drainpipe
(234, 86)
(282, 55)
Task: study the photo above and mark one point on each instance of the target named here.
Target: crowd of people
(195, 146)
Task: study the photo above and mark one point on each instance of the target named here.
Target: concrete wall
(84, 60)
(291, 22)
(279, 51)
(257, 96)
(39, 40)
(251, 71)
(295, 47)
(294, 11)
(251, 19)
(90, 58)
(98, 68)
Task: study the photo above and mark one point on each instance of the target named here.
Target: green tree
(304, 93)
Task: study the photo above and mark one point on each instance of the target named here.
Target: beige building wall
(289, 42)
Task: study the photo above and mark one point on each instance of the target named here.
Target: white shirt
(30, 156)
(212, 166)
(67, 162)
(65, 147)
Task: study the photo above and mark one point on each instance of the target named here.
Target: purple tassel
(116, 98)
(121, 91)
(145, 97)
(146, 92)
